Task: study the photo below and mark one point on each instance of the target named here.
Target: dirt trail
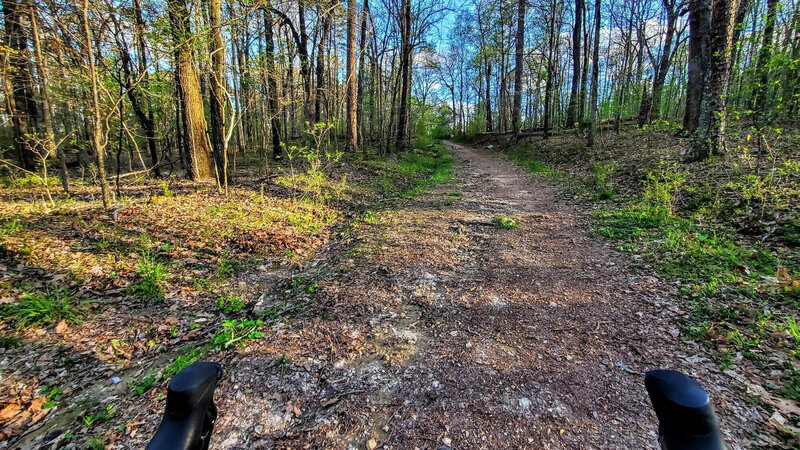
(459, 333)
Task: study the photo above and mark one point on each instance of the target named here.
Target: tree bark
(576, 65)
(699, 25)
(361, 53)
(352, 116)
(217, 92)
(272, 101)
(97, 141)
(405, 71)
(595, 76)
(197, 146)
(25, 113)
(518, 66)
(47, 106)
(710, 136)
(759, 100)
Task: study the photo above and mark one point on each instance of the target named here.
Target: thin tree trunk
(217, 91)
(47, 106)
(97, 141)
(595, 76)
(273, 87)
(518, 66)
(352, 116)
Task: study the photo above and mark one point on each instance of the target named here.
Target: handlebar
(190, 412)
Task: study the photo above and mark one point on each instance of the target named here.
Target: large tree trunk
(699, 25)
(217, 91)
(25, 113)
(518, 66)
(194, 120)
(576, 65)
(710, 136)
(97, 141)
(595, 75)
(352, 117)
(405, 71)
(272, 101)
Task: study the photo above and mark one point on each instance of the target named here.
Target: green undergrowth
(414, 171)
(522, 155)
(43, 308)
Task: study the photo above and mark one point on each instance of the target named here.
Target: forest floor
(479, 313)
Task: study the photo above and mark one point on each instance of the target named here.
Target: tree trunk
(595, 75)
(360, 93)
(352, 117)
(710, 136)
(759, 100)
(548, 93)
(518, 66)
(25, 113)
(272, 101)
(198, 149)
(699, 25)
(217, 92)
(320, 69)
(405, 71)
(47, 106)
(97, 141)
(664, 62)
(576, 65)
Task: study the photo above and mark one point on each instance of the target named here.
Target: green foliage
(237, 332)
(53, 394)
(312, 179)
(165, 189)
(29, 180)
(791, 326)
(143, 385)
(100, 416)
(35, 309)
(10, 225)
(791, 387)
(686, 249)
(600, 174)
(95, 443)
(152, 272)
(506, 223)
(230, 304)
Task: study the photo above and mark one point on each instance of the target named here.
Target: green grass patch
(237, 332)
(189, 356)
(230, 304)
(151, 271)
(35, 309)
(506, 223)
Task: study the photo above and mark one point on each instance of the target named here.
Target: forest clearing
(398, 223)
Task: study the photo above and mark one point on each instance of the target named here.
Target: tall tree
(576, 65)
(352, 117)
(699, 26)
(519, 50)
(710, 135)
(272, 87)
(405, 73)
(595, 76)
(98, 142)
(24, 111)
(217, 92)
(194, 120)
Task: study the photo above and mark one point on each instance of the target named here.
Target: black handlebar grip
(685, 414)
(190, 412)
